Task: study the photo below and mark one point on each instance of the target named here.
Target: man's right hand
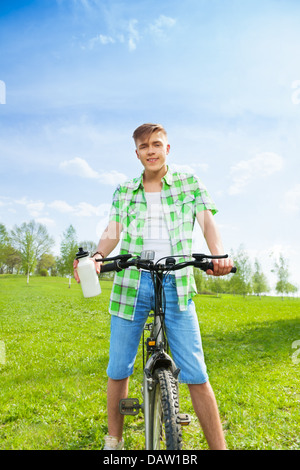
(97, 263)
(97, 266)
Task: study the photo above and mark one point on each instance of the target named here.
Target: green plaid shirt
(182, 197)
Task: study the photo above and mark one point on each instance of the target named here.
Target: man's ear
(168, 149)
(137, 154)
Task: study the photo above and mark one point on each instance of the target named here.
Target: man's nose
(150, 150)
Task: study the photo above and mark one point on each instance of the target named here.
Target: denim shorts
(182, 329)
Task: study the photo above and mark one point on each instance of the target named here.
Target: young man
(157, 211)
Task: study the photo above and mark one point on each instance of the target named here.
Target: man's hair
(145, 130)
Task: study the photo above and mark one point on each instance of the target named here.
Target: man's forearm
(210, 232)
(213, 241)
(110, 238)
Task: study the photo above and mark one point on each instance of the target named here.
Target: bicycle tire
(166, 432)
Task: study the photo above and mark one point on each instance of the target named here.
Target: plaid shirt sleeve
(203, 201)
(115, 211)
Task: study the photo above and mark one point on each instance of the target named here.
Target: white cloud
(40, 211)
(33, 207)
(192, 168)
(182, 168)
(134, 35)
(83, 209)
(106, 39)
(161, 24)
(130, 33)
(296, 93)
(113, 178)
(291, 200)
(102, 39)
(61, 206)
(45, 221)
(79, 167)
(262, 165)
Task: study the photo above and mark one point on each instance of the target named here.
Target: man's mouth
(152, 160)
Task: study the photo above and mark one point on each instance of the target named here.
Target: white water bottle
(87, 274)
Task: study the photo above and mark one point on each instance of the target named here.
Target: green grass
(53, 378)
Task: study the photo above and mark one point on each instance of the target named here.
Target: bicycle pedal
(129, 406)
(183, 419)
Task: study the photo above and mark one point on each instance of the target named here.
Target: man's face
(152, 151)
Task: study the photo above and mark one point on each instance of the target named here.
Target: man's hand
(222, 267)
(97, 266)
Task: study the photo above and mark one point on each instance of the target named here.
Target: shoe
(112, 443)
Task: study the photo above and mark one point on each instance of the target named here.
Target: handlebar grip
(105, 268)
(210, 265)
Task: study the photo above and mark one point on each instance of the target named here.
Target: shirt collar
(168, 178)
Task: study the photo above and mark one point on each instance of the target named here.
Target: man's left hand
(222, 267)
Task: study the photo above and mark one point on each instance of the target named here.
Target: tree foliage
(281, 269)
(27, 248)
(68, 250)
(31, 240)
(259, 281)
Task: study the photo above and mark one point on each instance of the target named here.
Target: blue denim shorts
(182, 329)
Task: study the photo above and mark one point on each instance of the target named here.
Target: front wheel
(166, 432)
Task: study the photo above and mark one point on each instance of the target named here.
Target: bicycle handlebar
(124, 261)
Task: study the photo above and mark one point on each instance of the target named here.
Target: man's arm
(110, 238)
(107, 243)
(214, 242)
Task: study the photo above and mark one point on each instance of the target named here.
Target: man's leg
(116, 390)
(124, 342)
(206, 409)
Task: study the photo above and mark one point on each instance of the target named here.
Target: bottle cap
(81, 253)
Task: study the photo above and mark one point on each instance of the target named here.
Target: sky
(222, 76)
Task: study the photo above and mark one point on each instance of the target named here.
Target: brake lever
(202, 256)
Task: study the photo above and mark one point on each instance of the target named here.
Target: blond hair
(146, 130)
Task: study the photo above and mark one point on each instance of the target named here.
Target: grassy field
(54, 353)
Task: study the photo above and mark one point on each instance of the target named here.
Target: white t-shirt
(156, 234)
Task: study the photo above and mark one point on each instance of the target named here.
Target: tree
(199, 280)
(68, 250)
(12, 259)
(47, 261)
(290, 288)
(3, 242)
(240, 282)
(89, 246)
(281, 269)
(259, 280)
(32, 241)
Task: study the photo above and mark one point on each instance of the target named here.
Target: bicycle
(162, 418)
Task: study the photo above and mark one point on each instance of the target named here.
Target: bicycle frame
(155, 359)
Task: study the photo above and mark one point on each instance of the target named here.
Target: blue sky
(223, 76)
